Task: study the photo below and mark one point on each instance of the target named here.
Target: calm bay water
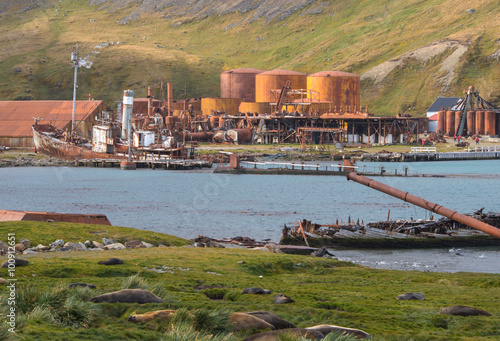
(186, 204)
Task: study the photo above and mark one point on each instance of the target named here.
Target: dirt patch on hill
(423, 54)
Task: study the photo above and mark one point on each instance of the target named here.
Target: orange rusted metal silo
(489, 123)
(239, 83)
(342, 89)
(450, 122)
(274, 80)
(458, 116)
(479, 122)
(441, 121)
(471, 122)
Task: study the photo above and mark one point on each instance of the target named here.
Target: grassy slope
(351, 36)
(324, 290)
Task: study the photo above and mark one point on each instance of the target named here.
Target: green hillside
(407, 52)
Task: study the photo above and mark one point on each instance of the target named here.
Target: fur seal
(273, 319)
(111, 261)
(82, 285)
(128, 296)
(282, 299)
(243, 321)
(151, 315)
(328, 328)
(16, 262)
(258, 291)
(411, 296)
(460, 310)
(275, 334)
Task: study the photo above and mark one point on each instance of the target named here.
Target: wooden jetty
(167, 164)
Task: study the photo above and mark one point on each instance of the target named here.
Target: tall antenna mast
(74, 60)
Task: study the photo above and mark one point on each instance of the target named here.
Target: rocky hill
(407, 53)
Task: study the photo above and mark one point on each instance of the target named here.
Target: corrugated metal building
(17, 117)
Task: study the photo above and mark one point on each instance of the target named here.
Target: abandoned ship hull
(52, 146)
(392, 234)
(383, 240)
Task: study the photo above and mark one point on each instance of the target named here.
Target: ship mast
(74, 60)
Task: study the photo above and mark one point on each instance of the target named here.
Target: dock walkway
(167, 164)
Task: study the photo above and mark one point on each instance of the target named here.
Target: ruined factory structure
(281, 106)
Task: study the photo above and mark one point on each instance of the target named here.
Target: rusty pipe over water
(405, 196)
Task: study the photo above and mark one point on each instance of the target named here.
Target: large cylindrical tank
(170, 122)
(471, 122)
(342, 89)
(230, 106)
(274, 80)
(239, 83)
(201, 136)
(479, 122)
(490, 123)
(254, 107)
(441, 121)
(239, 135)
(450, 122)
(458, 116)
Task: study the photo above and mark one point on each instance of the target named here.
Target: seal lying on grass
(327, 329)
(128, 296)
(275, 334)
(273, 319)
(151, 315)
(460, 310)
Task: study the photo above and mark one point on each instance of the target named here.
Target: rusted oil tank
(239, 135)
(170, 122)
(479, 122)
(230, 106)
(450, 122)
(201, 136)
(342, 89)
(219, 136)
(490, 123)
(276, 79)
(214, 122)
(458, 116)
(441, 121)
(471, 122)
(239, 83)
(254, 107)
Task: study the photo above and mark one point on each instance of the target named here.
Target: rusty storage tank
(230, 106)
(489, 123)
(200, 136)
(239, 83)
(458, 116)
(340, 88)
(276, 79)
(239, 135)
(441, 121)
(170, 122)
(479, 122)
(450, 122)
(254, 107)
(471, 122)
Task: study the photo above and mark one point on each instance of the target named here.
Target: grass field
(325, 291)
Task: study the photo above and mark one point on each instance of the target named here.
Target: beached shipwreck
(421, 233)
(456, 229)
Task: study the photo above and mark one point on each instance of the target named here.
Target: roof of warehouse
(443, 103)
(17, 117)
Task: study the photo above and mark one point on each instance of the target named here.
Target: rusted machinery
(405, 196)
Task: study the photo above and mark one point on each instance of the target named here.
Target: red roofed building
(17, 117)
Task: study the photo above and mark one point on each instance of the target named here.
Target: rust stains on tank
(239, 83)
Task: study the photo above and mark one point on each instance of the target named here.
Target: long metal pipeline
(405, 196)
